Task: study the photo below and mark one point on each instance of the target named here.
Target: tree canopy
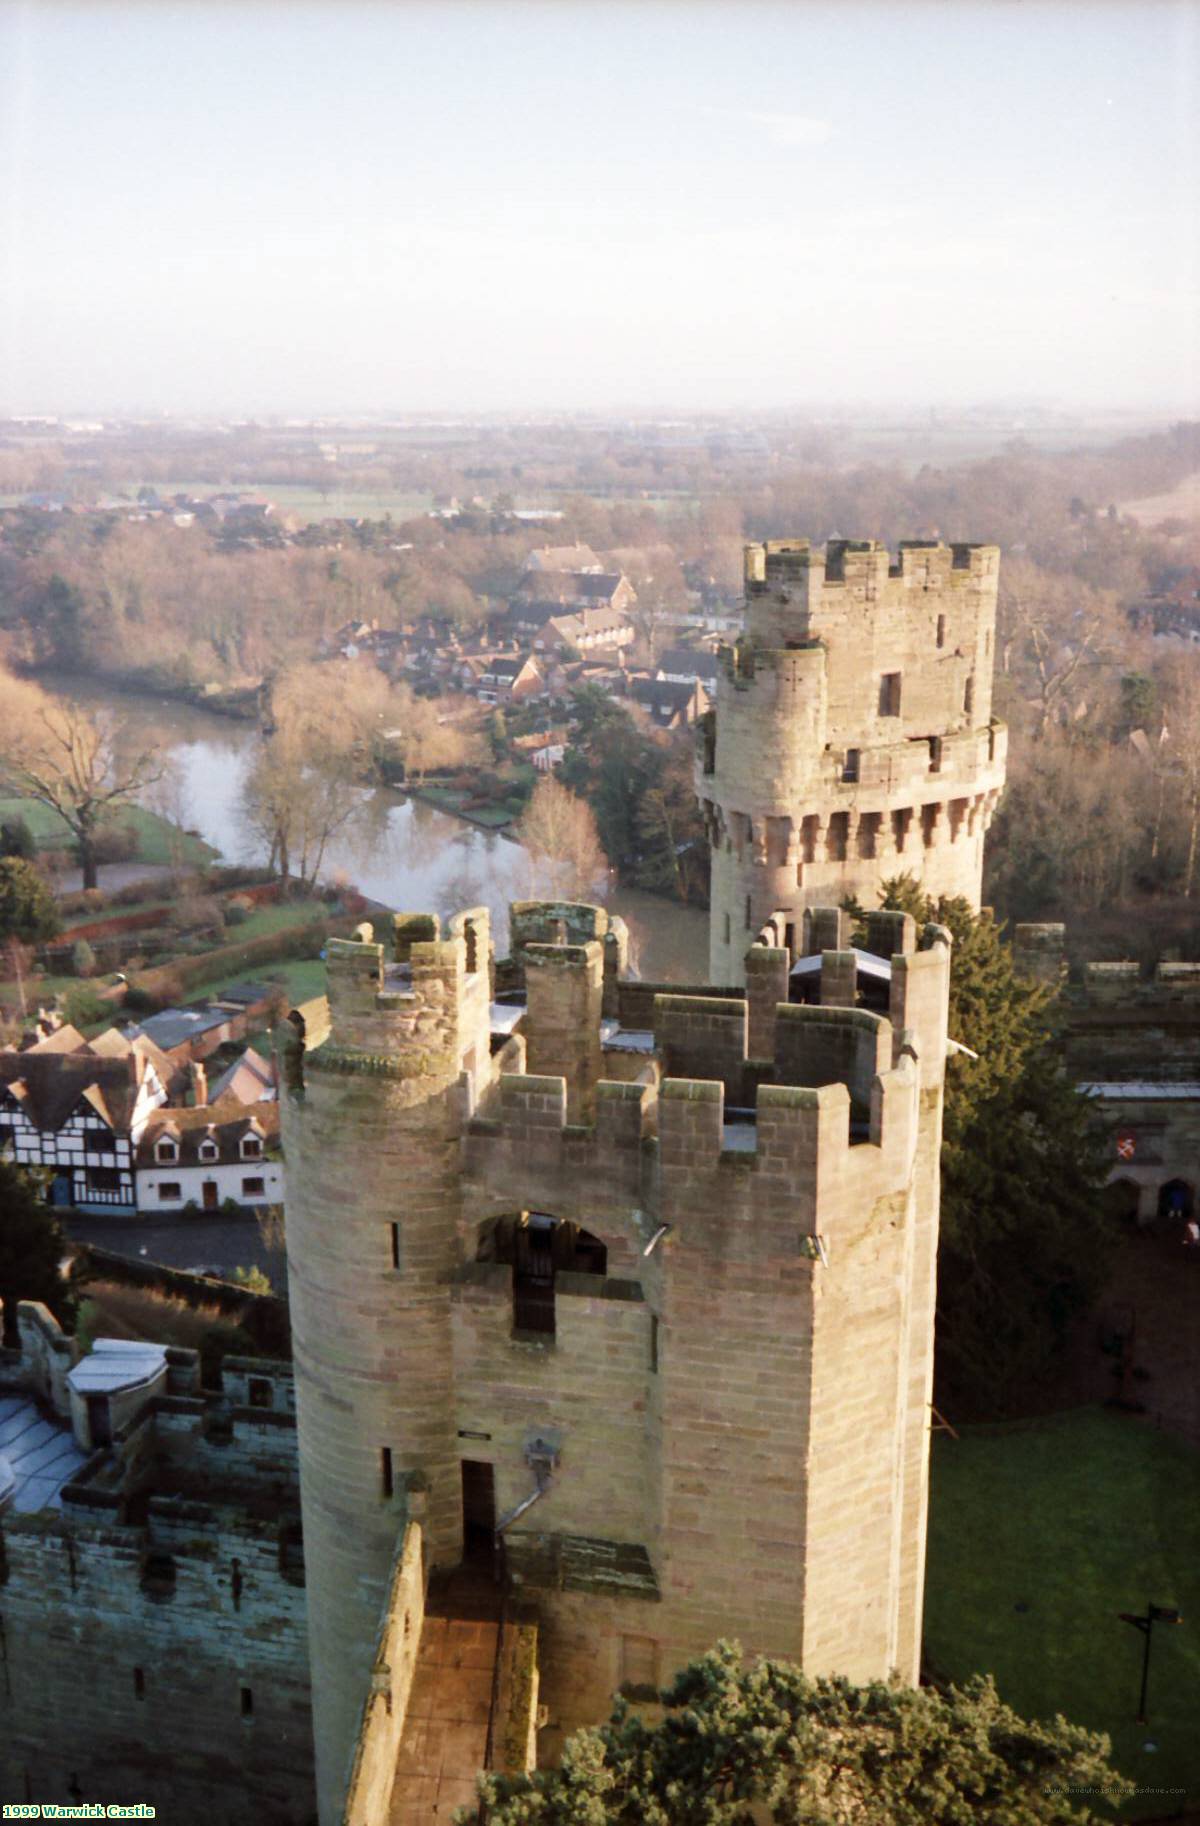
(742, 1745)
(1024, 1229)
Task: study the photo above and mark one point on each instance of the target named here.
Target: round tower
(853, 736)
(372, 1119)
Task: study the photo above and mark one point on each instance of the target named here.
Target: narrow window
(969, 694)
(889, 694)
(850, 770)
(247, 1702)
(395, 1228)
(941, 630)
(727, 931)
(639, 1667)
(747, 912)
(385, 1471)
(654, 1343)
(139, 1683)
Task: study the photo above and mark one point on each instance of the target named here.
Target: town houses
(123, 1123)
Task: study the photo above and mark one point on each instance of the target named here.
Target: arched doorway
(1176, 1200)
(538, 1247)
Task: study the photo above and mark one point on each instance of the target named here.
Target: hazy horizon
(309, 210)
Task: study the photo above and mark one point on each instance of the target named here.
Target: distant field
(1038, 1537)
(303, 503)
(1181, 503)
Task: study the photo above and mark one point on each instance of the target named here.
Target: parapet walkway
(444, 1746)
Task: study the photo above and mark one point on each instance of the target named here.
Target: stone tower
(373, 1206)
(853, 736)
(638, 1285)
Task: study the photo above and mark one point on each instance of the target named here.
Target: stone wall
(385, 1710)
(153, 1641)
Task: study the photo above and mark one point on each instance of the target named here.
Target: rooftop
(37, 1457)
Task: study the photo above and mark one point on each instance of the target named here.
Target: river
(407, 855)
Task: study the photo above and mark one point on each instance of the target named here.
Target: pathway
(445, 1732)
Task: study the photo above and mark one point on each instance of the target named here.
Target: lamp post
(1155, 1613)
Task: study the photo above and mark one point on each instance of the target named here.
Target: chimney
(199, 1078)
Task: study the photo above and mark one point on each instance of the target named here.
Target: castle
(612, 1301)
(634, 1285)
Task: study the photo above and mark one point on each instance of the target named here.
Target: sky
(308, 208)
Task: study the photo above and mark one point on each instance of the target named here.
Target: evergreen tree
(32, 1247)
(739, 1745)
(27, 907)
(1025, 1237)
(16, 839)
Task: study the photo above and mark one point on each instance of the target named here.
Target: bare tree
(19, 962)
(1180, 750)
(54, 752)
(1053, 632)
(558, 832)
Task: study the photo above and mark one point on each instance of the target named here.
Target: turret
(853, 737)
(371, 1125)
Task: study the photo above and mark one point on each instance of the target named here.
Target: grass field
(298, 502)
(158, 839)
(1038, 1537)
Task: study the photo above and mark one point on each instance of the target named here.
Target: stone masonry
(657, 1267)
(152, 1609)
(853, 737)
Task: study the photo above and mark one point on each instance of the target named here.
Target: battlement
(732, 1058)
(421, 1012)
(793, 564)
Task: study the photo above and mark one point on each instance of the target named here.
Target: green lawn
(1075, 1518)
(274, 917)
(157, 837)
(304, 978)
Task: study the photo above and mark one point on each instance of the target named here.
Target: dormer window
(208, 1150)
(166, 1151)
(251, 1147)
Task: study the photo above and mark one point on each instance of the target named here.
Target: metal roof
(868, 964)
(37, 1457)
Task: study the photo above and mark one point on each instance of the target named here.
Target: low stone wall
(515, 1735)
(373, 1769)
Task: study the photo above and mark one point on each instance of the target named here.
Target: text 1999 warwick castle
(612, 1302)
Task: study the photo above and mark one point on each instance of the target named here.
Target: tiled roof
(224, 1122)
(48, 1086)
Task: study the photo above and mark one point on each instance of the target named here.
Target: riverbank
(241, 701)
(403, 852)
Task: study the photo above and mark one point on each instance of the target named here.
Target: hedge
(184, 973)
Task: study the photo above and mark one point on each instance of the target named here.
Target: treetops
(740, 1746)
